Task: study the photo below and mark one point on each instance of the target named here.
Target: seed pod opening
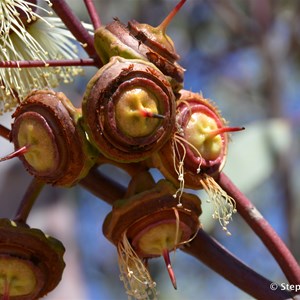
(199, 120)
(55, 149)
(200, 143)
(128, 110)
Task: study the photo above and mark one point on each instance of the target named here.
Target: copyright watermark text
(285, 287)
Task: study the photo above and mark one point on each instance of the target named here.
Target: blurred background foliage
(245, 56)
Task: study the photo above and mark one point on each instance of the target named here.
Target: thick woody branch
(4, 132)
(219, 259)
(93, 13)
(264, 231)
(28, 200)
(103, 187)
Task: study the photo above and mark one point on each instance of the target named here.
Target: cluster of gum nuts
(136, 116)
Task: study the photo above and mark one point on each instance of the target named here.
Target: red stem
(93, 13)
(264, 231)
(103, 187)
(28, 200)
(4, 132)
(219, 259)
(63, 11)
(48, 63)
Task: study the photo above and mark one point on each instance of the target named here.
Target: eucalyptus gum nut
(198, 117)
(113, 109)
(31, 262)
(151, 208)
(207, 153)
(58, 151)
(116, 40)
(33, 130)
(108, 44)
(155, 37)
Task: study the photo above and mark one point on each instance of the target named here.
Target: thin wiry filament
(224, 205)
(177, 242)
(134, 274)
(198, 154)
(178, 162)
(179, 153)
(180, 101)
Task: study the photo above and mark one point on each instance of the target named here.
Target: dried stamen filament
(224, 205)
(134, 274)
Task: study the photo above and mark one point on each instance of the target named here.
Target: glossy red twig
(63, 11)
(93, 13)
(4, 132)
(48, 63)
(219, 259)
(28, 200)
(103, 187)
(264, 231)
